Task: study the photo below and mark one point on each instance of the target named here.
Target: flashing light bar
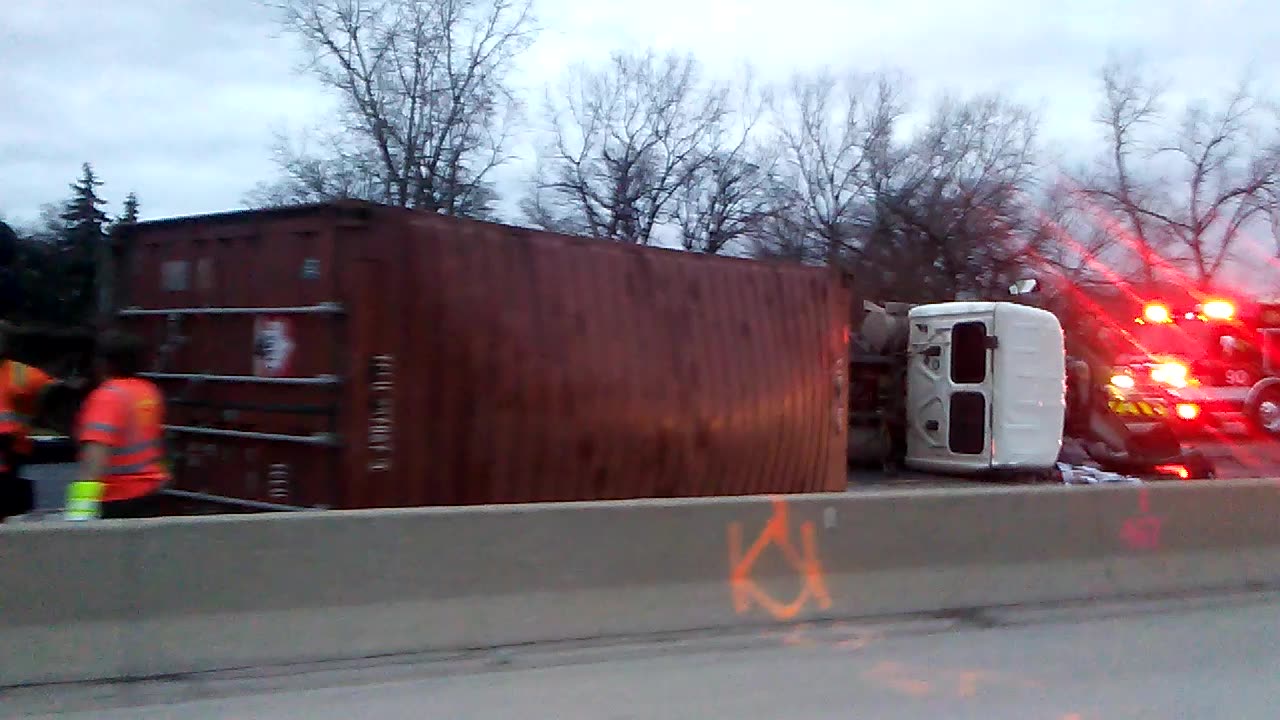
(1218, 310)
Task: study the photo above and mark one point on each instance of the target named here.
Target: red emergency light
(1187, 411)
(1179, 471)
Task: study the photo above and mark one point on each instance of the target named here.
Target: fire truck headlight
(1123, 382)
(1173, 374)
(1157, 313)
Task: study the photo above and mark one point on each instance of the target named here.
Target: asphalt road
(1236, 457)
(1213, 658)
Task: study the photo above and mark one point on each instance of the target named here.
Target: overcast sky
(178, 99)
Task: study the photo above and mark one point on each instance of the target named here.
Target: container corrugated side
(555, 368)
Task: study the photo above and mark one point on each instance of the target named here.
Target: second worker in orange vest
(22, 388)
(121, 432)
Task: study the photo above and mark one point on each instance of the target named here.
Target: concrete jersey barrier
(122, 599)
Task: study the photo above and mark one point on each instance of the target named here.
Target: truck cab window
(967, 423)
(968, 353)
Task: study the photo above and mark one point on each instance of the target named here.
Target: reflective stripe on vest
(134, 455)
(8, 413)
(11, 420)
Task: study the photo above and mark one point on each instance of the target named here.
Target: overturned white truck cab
(960, 388)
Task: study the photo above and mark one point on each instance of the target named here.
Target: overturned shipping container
(350, 355)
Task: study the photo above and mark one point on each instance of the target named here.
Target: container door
(252, 416)
(248, 336)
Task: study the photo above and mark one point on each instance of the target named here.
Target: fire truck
(1206, 364)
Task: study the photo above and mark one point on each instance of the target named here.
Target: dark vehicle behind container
(350, 355)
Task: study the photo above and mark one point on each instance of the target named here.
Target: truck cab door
(949, 393)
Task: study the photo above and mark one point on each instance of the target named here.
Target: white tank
(986, 388)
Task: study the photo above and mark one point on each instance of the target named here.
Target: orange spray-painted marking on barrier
(1142, 531)
(777, 532)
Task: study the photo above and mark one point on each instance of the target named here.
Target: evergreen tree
(83, 213)
(60, 270)
(130, 213)
(107, 296)
(84, 252)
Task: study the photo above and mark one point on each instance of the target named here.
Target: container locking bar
(203, 377)
(234, 502)
(315, 439)
(325, 308)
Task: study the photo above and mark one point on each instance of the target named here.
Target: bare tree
(427, 102)
(1130, 104)
(1199, 190)
(1273, 215)
(833, 131)
(954, 211)
(335, 172)
(625, 140)
(782, 233)
(1072, 247)
(728, 197)
(1228, 178)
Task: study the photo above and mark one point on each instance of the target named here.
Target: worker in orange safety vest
(21, 389)
(121, 435)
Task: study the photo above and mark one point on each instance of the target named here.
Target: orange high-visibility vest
(127, 415)
(20, 387)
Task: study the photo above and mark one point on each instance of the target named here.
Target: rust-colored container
(350, 356)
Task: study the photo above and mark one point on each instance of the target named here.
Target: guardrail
(124, 599)
(47, 449)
